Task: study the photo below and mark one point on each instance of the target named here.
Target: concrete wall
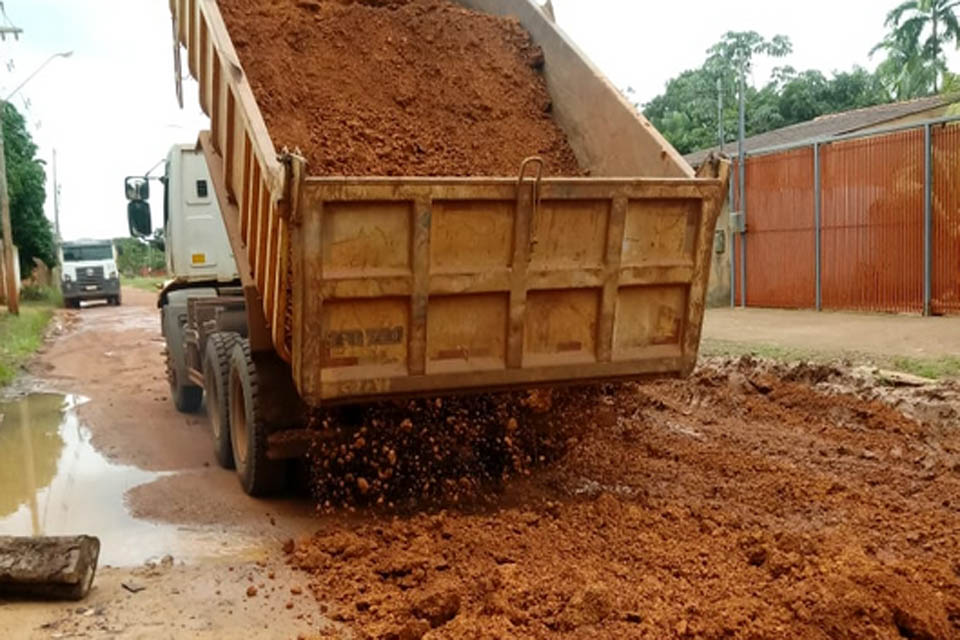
(718, 293)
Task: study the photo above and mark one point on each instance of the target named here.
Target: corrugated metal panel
(873, 223)
(780, 222)
(946, 219)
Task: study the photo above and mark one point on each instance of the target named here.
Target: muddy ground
(751, 501)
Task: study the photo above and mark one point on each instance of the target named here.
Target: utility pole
(56, 202)
(13, 296)
(720, 112)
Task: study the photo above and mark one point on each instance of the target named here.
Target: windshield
(92, 252)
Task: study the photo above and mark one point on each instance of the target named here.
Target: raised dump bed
(379, 286)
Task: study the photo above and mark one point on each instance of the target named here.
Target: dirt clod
(438, 607)
(251, 591)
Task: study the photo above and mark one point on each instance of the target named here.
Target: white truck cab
(89, 272)
(197, 247)
(200, 263)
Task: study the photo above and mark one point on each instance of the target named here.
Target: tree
(26, 180)
(136, 256)
(807, 95)
(732, 57)
(686, 113)
(919, 31)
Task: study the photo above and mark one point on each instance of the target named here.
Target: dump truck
(359, 289)
(89, 272)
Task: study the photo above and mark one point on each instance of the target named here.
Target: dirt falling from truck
(406, 456)
(398, 87)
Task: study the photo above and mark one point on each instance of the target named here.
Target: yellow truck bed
(373, 287)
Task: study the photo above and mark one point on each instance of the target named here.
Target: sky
(110, 110)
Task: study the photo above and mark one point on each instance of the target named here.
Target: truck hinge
(294, 170)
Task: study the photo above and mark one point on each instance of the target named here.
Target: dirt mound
(739, 503)
(398, 87)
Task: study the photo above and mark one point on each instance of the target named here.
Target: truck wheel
(186, 397)
(216, 374)
(259, 475)
(116, 300)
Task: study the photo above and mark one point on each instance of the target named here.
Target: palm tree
(919, 29)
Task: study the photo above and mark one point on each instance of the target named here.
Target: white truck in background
(89, 272)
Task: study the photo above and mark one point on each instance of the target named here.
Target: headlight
(66, 277)
(113, 275)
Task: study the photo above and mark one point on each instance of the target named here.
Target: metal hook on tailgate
(535, 196)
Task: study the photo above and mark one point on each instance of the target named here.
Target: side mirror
(138, 218)
(137, 188)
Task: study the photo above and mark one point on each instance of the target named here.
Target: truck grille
(89, 275)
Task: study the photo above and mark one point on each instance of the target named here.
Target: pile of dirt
(398, 87)
(743, 502)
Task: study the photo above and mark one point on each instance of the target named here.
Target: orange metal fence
(780, 223)
(946, 219)
(871, 196)
(873, 223)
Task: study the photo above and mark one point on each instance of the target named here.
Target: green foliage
(937, 369)
(135, 257)
(941, 368)
(919, 31)
(734, 54)
(26, 177)
(807, 95)
(686, 113)
(152, 285)
(20, 337)
(42, 293)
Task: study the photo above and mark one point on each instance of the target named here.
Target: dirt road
(126, 466)
(751, 501)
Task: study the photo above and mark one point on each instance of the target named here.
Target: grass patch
(20, 337)
(726, 348)
(51, 295)
(934, 368)
(151, 284)
(938, 368)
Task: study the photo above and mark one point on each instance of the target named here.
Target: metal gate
(867, 222)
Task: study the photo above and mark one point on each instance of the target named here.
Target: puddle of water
(54, 482)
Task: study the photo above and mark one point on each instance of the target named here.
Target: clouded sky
(110, 110)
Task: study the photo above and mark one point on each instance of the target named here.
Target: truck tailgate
(411, 286)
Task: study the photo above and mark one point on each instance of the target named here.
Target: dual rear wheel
(235, 407)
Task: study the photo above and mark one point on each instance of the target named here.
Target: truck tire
(259, 475)
(187, 398)
(216, 375)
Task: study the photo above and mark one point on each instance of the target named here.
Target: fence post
(927, 219)
(818, 225)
